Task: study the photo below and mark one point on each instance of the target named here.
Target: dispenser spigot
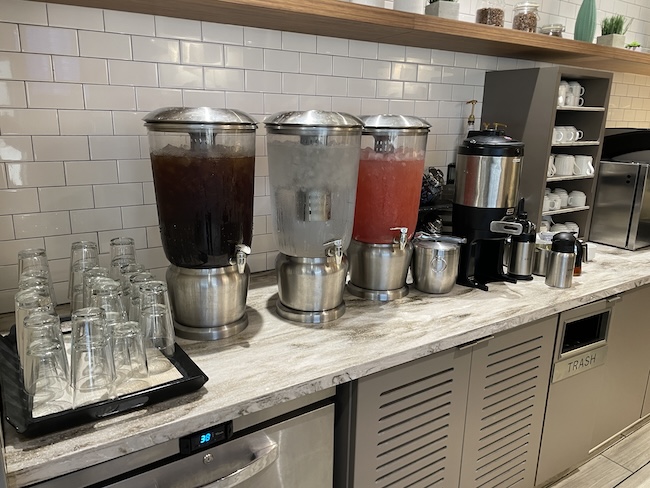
(335, 249)
(472, 118)
(241, 255)
(403, 236)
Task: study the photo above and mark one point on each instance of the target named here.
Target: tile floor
(626, 464)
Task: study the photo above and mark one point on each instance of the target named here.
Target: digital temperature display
(205, 438)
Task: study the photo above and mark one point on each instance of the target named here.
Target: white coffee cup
(564, 196)
(572, 100)
(577, 199)
(554, 201)
(576, 88)
(547, 191)
(559, 228)
(573, 227)
(562, 92)
(551, 170)
(558, 135)
(571, 134)
(583, 165)
(564, 164)
(591, 251)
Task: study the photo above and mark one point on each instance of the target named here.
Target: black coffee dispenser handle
(506, 227)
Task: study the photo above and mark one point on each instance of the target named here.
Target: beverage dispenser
(313, 168)
(487, 181)
(203, 163)
(386, 211)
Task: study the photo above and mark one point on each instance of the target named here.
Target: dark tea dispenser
(203, 164)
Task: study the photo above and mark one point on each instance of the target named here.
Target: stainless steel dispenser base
(208, 303)
(378, 271)
(211, 333)
(378, 295)
(310, 290)
(318, 317)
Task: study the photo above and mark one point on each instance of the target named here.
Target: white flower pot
(413, 6)
(444, 9)
(612, 40)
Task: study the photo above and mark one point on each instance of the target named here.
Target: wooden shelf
(566, 210)
(351, 21)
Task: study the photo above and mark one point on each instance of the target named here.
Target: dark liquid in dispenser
(205, 205)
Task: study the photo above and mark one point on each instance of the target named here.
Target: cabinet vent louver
(505, 402)
(409, 422)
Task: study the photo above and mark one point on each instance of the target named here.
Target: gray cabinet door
(409, 423)
(625, 374)
(505, 408)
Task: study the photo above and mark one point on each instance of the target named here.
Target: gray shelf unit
(525, 100)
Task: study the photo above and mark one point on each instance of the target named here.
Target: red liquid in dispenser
(388, 195)
(205, 205)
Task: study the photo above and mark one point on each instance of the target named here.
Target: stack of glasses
(122, 329)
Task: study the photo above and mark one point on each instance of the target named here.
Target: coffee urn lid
(372, 123)
(163, 118)
(313, 118)
(491, 142)
(563, 242)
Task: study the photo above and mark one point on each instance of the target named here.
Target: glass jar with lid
(491, 12)
(554, 30)
(525, 16)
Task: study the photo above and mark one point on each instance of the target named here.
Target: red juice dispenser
(386, 210)
(203, 164)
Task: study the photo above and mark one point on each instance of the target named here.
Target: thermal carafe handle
(262, 459)
(506, 227)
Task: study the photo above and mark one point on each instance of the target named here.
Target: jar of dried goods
(491, 12)
(525, 16)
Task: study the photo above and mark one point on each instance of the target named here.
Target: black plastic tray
(18, 414)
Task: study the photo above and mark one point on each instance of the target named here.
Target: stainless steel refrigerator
(621, 213)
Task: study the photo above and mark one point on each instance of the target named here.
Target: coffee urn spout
(241, 256)
(403, 236)
(335, 249)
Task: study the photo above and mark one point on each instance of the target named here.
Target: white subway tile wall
(75, 83)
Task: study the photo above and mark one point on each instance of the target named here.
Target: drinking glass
(127, 343)
(126, 271)
(46, 377)
(33, 262)
(92, 366)
(41, 323)
(105, 293)
(89, 276)
(157, 324)
(134, 297)
(25, 301)
(84, 255)
(122, 252)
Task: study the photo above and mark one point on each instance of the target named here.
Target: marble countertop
(274, 360)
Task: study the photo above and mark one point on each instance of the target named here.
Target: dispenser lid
(313, 118)
(390, 121)
(563, 242)
(491, 142)
(229, 118)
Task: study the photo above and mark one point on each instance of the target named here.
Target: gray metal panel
(3, 469)
(626, 371)
(409, 423)
(640, 224)
(613, 203)
(505, 407)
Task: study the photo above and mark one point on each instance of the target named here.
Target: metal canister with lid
(559, 273)
(435, 262)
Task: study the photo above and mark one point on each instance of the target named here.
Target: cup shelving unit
(525, 101)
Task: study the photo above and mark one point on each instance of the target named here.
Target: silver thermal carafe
(487, 180)
(203, 164)
(313, 169)
(387, 201)
(522, 248)
(561, 261)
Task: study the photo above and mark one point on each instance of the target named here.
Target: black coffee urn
(487, 181)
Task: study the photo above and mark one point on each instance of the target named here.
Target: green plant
(616, 24)
(633, 44)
